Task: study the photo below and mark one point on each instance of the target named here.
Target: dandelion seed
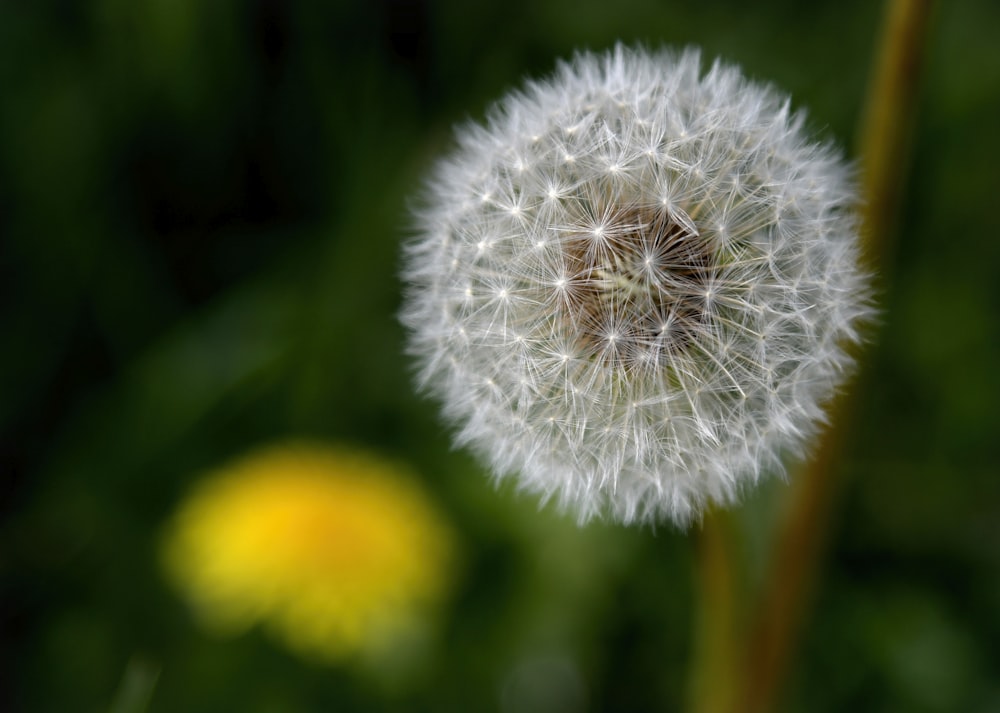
(682, 274)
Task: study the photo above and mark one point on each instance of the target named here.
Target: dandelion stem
(782, 608)
(716, 652)
(884, 136)
(884, 140)
(136, 689)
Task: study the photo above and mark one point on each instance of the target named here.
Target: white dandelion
(633, 287)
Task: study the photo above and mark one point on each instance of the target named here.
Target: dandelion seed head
(658, 294)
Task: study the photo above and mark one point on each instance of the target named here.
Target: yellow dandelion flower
(338, 551)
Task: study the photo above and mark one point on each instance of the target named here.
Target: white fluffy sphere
(633, 286)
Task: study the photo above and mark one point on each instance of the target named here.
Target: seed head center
(636, 293)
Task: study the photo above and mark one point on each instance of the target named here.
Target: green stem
(798, 548)
(136, 689)
(888, 121)
(745, 674)
(713, 686)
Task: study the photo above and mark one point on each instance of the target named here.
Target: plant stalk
(750, 670)
(885, 134)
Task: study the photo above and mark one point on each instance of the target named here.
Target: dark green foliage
(201, 205)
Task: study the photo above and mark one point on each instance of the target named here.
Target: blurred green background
(201, 205)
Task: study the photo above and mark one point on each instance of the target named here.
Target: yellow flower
(338, 551)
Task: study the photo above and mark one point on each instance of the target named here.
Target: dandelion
(634, 286)
(336, 550)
